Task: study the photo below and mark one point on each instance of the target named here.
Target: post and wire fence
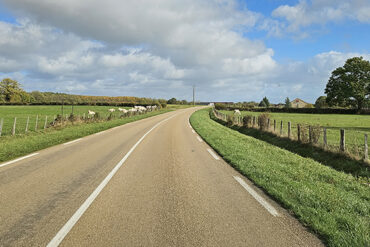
(23, 124)
(354, 143)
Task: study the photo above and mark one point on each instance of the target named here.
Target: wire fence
(13, 126)
(352, 142)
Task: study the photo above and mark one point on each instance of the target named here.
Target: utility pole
(193, 95)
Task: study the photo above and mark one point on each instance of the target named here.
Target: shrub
(247, 121)
(262, 121)
(229, 120)
(315, 133)
(304, 133)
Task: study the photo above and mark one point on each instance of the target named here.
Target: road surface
(153, 182)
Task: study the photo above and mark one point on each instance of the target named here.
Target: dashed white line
(213, 154)
(67, 143)
(256, 196)
(19, 159)
(199, 139)
(77, 215)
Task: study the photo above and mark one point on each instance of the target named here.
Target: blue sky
(232, 50)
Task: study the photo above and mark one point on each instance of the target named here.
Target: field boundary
(338, 160)
(12, 147)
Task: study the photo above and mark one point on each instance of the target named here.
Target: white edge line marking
(77, 215)
(213, 154)
(67, 143)
(19, 159)
(193, 131)
(199, 139)
(256, 196)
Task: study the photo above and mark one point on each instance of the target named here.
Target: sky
(231, 50)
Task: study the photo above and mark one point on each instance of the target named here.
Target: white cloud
(307, 13)
(161, 48)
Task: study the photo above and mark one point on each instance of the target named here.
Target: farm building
(298, 103)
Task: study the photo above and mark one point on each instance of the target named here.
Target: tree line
(11, 92)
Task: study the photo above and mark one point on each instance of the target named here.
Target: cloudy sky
(232, 50)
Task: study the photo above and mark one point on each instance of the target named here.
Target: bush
(303, 132)
(247, 121)
(315, 133)
(229, 120)
(263, 121)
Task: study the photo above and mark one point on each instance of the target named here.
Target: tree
(288, 104)
(264, 103)
(350, 85)
(11, 90)
(321, 102)
(172, 101)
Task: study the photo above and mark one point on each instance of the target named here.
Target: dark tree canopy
(321, 102)
(349, 86)
(264, 102)
(172, 101)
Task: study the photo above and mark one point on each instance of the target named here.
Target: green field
(355, 125)
(8, 113)
(334, 204)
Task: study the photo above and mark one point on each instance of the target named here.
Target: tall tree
(288, 104)
(350, 85)
(262, 104)
(11, 90)
(321, 102)
(267, 102)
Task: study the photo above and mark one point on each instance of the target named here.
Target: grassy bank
(14, 146)
(335, 205)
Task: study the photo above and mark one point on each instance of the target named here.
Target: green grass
(22, 112)
(14, 146)
(335, 205)
(355, 125)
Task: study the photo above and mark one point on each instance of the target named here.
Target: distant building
(211, 104)
(298, 103)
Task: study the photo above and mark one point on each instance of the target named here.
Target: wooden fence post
(254, 121)
(27, 123)
(366, 149)
(268, 124)
(342, 140)
(1, 125)
(46, 120)
(289, 128)
(325, 138)
(14, 126)
(84, 117)
(299, 132)
(310, 134)
(274, 125)
(37, 119)
(281, 127)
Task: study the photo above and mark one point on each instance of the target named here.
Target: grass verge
(335, 205)
(14, 146)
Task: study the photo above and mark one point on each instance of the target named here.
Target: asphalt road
(153, 182)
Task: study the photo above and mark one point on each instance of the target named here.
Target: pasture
(355, 125)
(8, 113)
